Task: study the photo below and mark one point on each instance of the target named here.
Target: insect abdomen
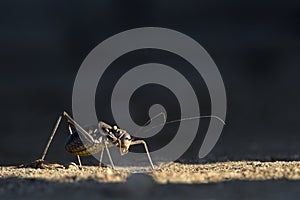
(74, 145)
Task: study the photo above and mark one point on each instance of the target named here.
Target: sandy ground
(274, 180)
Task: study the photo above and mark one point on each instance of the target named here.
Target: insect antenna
(156, 116)
(180, 120)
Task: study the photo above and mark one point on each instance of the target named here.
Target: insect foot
(42, 164)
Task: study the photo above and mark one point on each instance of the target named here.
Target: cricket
(99, 138)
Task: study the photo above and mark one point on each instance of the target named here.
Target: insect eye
(127, 138)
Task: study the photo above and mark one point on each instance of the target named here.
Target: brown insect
(93, 139)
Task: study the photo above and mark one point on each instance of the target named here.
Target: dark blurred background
(255, 45)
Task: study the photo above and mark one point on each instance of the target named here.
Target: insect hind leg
(39, 163)
(51, 137)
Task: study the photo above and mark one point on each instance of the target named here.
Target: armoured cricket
(93, 139)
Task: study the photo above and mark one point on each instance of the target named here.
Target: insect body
(94, 139)
(113, 136)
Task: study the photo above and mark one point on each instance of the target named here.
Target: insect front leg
(146, 149)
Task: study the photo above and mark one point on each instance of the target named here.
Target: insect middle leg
(78, 157)
(101, 157)
(109, 156)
